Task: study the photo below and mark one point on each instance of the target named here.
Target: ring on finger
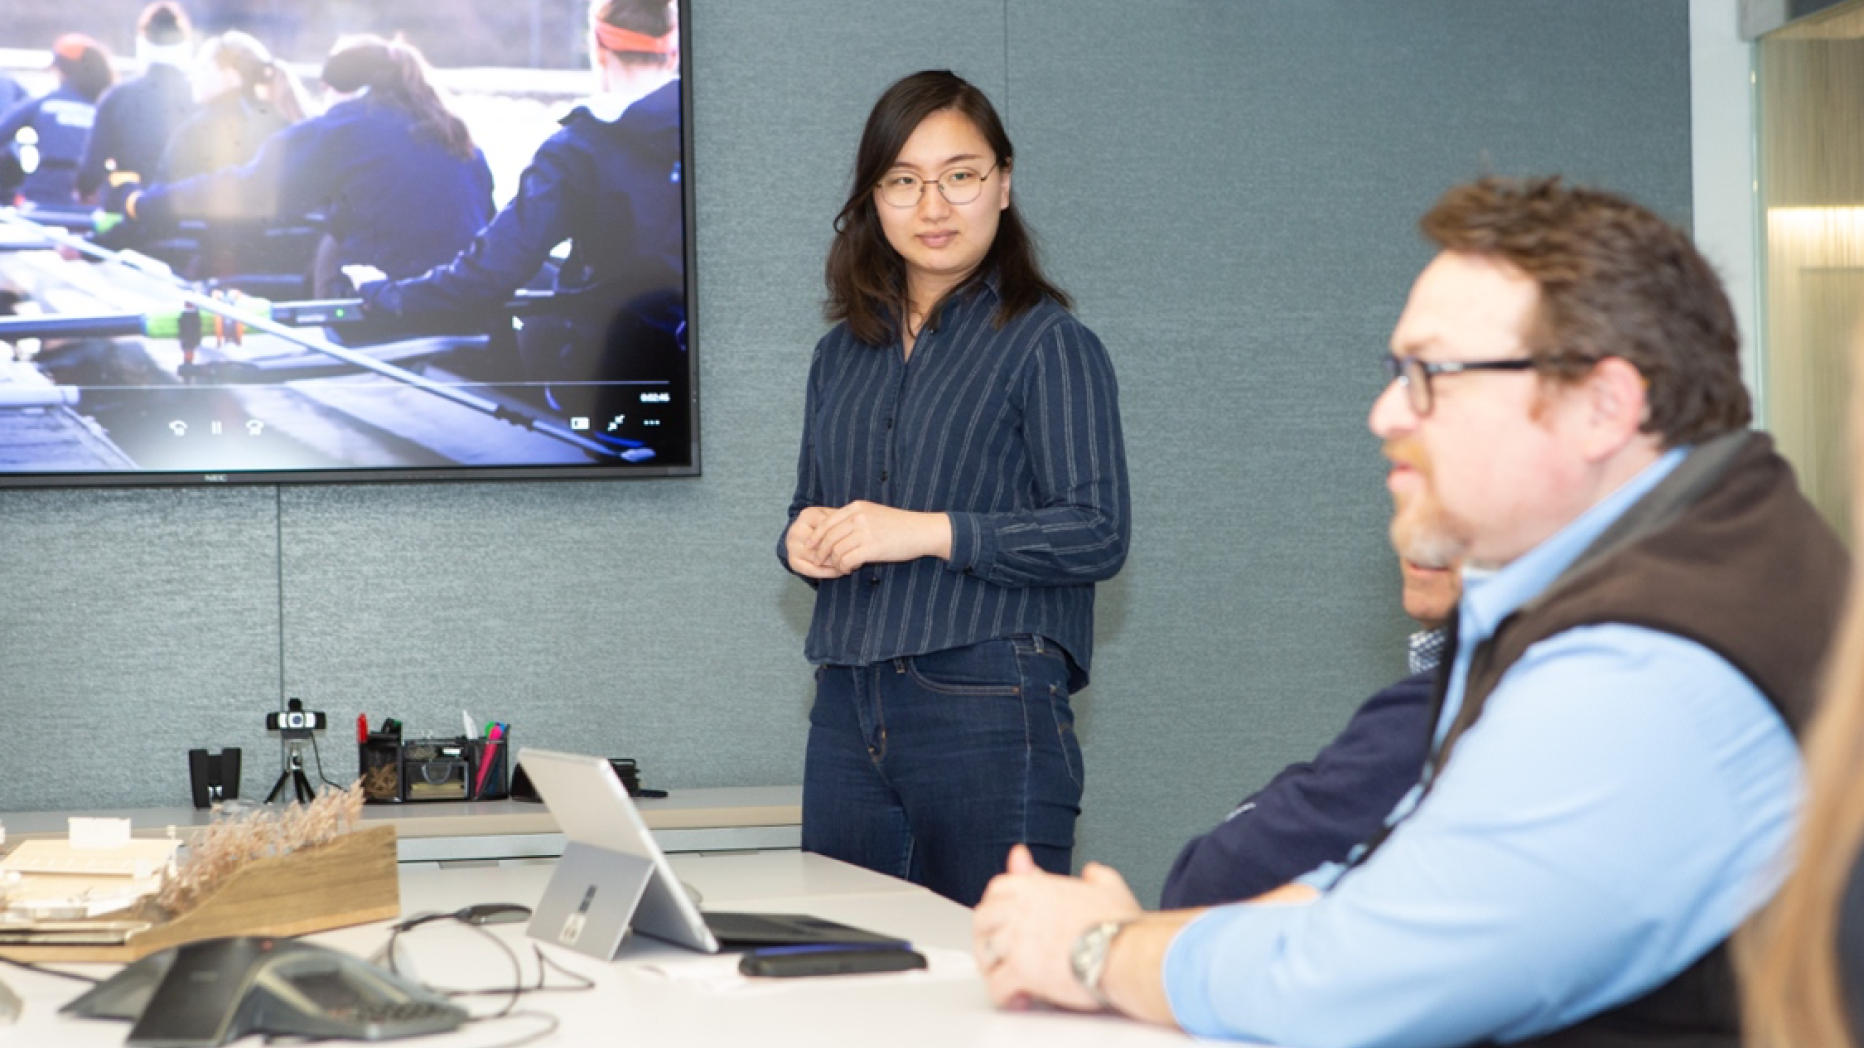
(993, 956)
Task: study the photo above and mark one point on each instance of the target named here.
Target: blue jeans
(930, 767)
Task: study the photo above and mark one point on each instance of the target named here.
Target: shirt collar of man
(1489, 597)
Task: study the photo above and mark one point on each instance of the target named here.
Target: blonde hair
(262, 79)
(1792, 987)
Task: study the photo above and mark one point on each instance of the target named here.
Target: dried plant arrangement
(234, 839)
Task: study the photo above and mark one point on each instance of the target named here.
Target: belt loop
(899, 665)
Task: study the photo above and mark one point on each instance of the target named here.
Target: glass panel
(1810, 105)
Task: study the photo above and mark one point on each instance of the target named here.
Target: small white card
(98, 833)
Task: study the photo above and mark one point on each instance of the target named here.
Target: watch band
(1088, 957)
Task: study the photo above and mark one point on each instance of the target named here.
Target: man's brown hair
(1615, 281)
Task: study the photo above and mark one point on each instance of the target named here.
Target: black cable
(544, 963)
(319, 756)
(517, 988)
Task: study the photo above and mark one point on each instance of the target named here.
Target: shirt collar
(1491, 596)
(981, 294)
(984, 290)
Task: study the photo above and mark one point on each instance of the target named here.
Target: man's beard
(1423, 536)
(1422, 532)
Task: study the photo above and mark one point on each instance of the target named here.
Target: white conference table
(633, 1004)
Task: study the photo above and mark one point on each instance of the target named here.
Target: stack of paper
(70, 879)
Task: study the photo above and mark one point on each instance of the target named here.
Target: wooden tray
(350, 880)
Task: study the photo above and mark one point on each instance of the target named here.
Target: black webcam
(296, 718)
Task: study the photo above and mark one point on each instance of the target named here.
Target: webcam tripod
(293, 773)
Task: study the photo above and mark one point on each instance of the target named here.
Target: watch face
(1081, 956)
(1088, 958)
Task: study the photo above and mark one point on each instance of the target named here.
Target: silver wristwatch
(1088, 957)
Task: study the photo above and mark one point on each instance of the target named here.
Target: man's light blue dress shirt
(1624, 801)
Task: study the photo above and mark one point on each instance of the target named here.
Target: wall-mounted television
(226, 334)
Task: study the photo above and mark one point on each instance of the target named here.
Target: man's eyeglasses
(1415, 375)
(958, 186)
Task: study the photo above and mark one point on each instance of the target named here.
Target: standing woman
(962, 486)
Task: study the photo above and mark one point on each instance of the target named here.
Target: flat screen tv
(228, 343)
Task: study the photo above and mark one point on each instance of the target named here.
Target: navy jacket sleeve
(289, 175)
(1081, 530)
(505, 254)
(1314, 812)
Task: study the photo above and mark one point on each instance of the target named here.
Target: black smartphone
(828, 959)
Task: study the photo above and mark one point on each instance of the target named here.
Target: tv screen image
(291, 292)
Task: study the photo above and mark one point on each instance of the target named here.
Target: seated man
(1313, 813)
(1613, 776)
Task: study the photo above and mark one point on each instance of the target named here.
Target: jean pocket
(988, 668)
(1061, 710)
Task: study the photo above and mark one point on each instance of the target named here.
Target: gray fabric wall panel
(137, 624)
(632, 619)
(1229, 187)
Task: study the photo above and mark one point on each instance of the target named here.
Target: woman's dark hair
(164, 22)
(396, 74)
(866, 277)
(84, 65)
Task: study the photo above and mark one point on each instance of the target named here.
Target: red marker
(362, 729)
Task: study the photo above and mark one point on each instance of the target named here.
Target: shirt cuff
(1229, 943)
(973, 545)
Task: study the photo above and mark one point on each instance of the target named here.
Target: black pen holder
(395, 770)
(213, 777)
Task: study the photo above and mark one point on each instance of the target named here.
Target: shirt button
(883, 476)
(873, 580)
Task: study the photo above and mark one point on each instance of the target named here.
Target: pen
(362, 729)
